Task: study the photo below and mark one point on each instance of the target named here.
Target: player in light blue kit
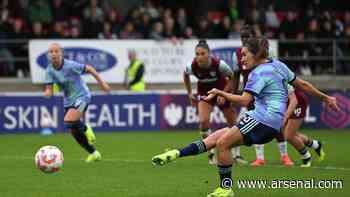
(267, 85)
(77, 96)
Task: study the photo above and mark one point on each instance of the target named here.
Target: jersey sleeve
(78, 68)
(290, 89)
(255, 83)
(48, 77)
(188, 68)
(290, 75)
(225, 68)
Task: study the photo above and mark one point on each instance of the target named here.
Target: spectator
(114, 19)
(181, 20)
(75, 32)
(235, 32)
(289, 26)
(59, 10)
(169, 31)
(15, 7)
(7, 66)
(347, 18)
(225, 27)
(129, 32)
(271, 18)
(204, 29)
(327, 30)
(19, 49)
(157, 31)
(5, 25)
(37, 31)
(233, 12)
(92, 25)
(255, 17)
(149, 9)
(58, 30)
(134, 76)
(39, 11)
(107, 32)
(313, 31)
(167, 14)
(188, 34)
(145, 25)
(93, 11)
(135, 17)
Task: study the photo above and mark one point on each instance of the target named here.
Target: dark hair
(203, 44)
(258, 46)
(247, 31)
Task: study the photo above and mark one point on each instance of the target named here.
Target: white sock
(315, 144)
(282, 146)
(233, 152)
(306, 155)
(237, 151)
(259, 149)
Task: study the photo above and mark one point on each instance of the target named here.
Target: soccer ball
(49, 159)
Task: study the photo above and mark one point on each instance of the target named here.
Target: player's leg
(260, 158)
(290, 133)
(195, 148)
(77, 128)
(282, 146)
(204, 110)
(231, 116)
(316, 145)
(247, 132)
(232, 138)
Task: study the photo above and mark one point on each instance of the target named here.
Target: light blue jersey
(268, 83)
(68, 77)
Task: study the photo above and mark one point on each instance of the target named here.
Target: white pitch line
(312, 167)
(7, 157)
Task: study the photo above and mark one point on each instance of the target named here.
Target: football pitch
(126, 169)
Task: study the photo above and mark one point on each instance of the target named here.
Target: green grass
(127, 169)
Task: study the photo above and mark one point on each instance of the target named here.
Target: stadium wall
(29, 113)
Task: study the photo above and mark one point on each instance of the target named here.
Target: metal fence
(307, 57)
(316, 57)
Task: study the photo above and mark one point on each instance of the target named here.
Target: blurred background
(312, 37)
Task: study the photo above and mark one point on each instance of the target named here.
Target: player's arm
(48, 92)
(312, 90)
(187, 82)
(293, 102)
(49, 81)
(91, 70)
(242, 100)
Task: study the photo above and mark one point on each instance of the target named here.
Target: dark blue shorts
(79, 105)
(255, 132)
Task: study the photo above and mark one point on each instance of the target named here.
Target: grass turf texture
(127, 170)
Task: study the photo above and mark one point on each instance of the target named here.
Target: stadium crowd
(102, 19)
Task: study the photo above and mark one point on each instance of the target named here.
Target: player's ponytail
(263, 52)
(203, 44)
(258, 46)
